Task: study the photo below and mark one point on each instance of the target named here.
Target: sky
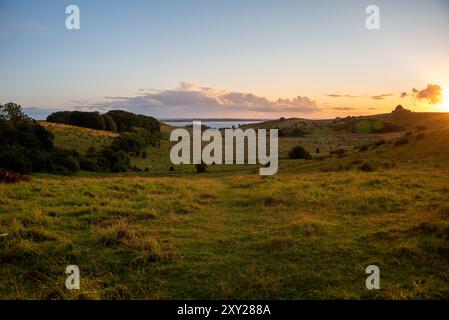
(225, 59)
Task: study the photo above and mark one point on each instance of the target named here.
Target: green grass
(77, 138)
(309, 236)
(308, 232)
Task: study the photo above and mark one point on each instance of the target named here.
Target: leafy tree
(109, 123)
(126, 120)
(92, 120)
(12, 112)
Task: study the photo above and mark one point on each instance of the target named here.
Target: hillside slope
(78, 138)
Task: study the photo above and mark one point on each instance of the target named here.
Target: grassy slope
(80, 139)
(230, 233)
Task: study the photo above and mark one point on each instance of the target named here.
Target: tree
(109, 123)
(12, 112)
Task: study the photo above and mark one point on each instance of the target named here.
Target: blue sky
(206, 58)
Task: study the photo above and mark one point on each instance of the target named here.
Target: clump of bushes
(201, 167)
(366, 167)
(339, 152)
(291, 132)
(8, 176)
(92, 120)
(116, 120)
(106, 160)
(134, 140)
(26, 146)
(299, 152)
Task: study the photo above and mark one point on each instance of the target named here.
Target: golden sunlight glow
(445, 102)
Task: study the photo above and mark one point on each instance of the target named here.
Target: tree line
(26, 146)
(115, 120)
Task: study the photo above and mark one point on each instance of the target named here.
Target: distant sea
(213, 124)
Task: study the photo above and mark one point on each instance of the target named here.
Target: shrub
(339, 152)
(89, 164)
(379, 142)
(65, 162)
(366, 167)
(200, 168)
(299, 152)
(401, 142)
(15, 158)
(134, 141)
(109, 123)
(291, 132)
(8, 176)
(116, 161)
(363, 148)
(126, 120)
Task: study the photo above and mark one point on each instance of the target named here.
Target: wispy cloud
(337, 95)
(342, 108)
(381, 96)
(374, 97)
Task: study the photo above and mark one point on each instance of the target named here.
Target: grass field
(307, 232)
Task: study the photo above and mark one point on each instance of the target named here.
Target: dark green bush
(299, 152)
(366, 167)
(201, 168)
(16, 158)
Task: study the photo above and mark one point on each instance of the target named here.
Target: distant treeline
(292, 132)
(115, 121)
(361, 125)
(26, 146)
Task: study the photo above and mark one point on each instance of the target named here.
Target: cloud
(193, 100)
(342, 108)
(381, 96)
(374, 97)
(336, 95)
(433, 94)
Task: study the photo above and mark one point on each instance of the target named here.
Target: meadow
(306, 233)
